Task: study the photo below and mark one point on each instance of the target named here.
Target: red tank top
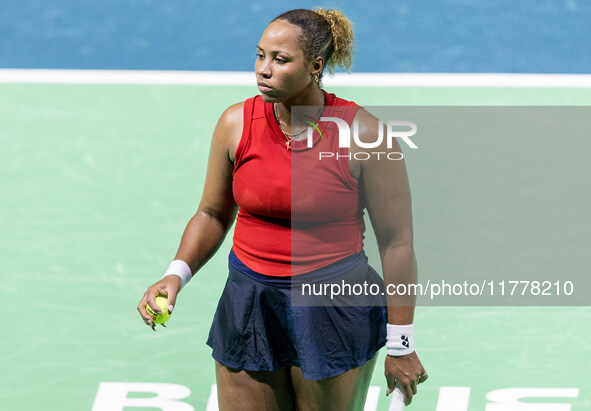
(296, 213)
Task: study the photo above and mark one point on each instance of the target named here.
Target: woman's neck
(312, 97)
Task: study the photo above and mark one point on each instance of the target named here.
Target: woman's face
(281, 68)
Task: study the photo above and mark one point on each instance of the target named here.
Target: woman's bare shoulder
(365, 118)
(368, 127)
(233, 116)
(228, 131)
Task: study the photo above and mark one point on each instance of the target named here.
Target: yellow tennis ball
(162, 302)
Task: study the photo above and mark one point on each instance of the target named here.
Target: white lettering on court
(114, 396)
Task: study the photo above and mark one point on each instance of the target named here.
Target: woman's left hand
(406, 371)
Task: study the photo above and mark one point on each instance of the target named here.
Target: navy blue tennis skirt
(258, 327)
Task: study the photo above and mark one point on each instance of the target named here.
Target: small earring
(316, 78)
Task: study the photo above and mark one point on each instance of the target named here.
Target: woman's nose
(262, 68)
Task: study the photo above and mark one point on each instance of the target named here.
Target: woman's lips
(264, 88)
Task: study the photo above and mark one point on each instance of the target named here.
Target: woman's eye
(280, 61)
(259, 55)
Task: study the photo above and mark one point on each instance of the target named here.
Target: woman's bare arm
(386, 191)
(385, 188)
(215, 214)
(217, 210)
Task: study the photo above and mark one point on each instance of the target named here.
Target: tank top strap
(253, 109)
(345, 110)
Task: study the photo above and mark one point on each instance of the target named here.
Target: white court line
(243, 78)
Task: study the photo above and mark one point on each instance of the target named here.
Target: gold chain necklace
(288, 136)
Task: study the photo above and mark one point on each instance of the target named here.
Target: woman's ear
(317, 65)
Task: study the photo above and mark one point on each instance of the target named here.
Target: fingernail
(170, 307)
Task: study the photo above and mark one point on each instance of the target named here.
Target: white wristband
(180, 269)
(400, 339)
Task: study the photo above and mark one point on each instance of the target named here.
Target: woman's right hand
(170, 286)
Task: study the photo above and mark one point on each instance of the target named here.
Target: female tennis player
(299, 220)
